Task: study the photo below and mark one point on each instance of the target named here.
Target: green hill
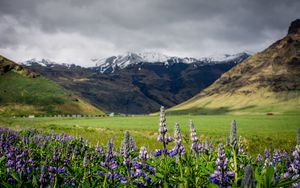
(23, 93)
(268, 81)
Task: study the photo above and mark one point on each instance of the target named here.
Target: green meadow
(257, 131)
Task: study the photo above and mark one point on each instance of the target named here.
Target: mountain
(268, 81)
(136, 83)
(24, 92)
(110, 64)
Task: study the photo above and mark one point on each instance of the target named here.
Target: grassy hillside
(268, 81)
(261, 102)
(23, 93)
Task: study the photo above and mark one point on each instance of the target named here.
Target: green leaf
(15, 176)
(159, 175)
(35, 182)
(269, 176)
(211, 185)
(2, 159)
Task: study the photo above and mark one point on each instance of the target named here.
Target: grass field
(278, 131)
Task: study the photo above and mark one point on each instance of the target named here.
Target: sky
(76, 31)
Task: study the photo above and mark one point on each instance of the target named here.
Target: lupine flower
(123, 180)
(55, 157)
(43, 176)
(132, 144)
(267, 160)
(85, 161)
(61, 170)
(157, 152)
(221, 176)
(143, 153)
(163, 137)
(276, 157)
(99, 150)
(233, 140)
(110, 161)
(259, 158)
(240, 146)
(10, 163)
(247, 181)
(178, 148)
(194, 138)
(295, 165)
(125, 148)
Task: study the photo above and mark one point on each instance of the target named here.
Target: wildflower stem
(235, 167)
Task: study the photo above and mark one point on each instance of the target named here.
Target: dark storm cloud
(76, 30)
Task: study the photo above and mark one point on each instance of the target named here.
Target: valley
(131, 84)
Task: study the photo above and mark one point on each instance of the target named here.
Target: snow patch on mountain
(221, 57)
(44, 63)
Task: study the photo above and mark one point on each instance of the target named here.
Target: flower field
(32, 158)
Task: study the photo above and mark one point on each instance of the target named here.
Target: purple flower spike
(157, 152)
(220, 176)
(163, 137)
(143, 153)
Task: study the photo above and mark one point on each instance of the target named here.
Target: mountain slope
(23, 93)
(134, 87)
(268, 81)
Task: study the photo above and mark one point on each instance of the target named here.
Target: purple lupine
(43, 178)
(143, 153)
(178, 149)
(241, 146)
(110, 162)
(163, 137)
(86, 161)
(125, 149)
(221, 176)
(276, 157)
(132, 144)
(295, 164)
(157, 152)
(259, 158)
(267, 160)
(61, 170)
(55, 157)
(99, 151)
(194, 138)
(247, 181)
(137, 170)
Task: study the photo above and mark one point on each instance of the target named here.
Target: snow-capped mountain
(131, 58)
(44, 63)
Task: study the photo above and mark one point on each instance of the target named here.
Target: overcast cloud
(75, 31)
